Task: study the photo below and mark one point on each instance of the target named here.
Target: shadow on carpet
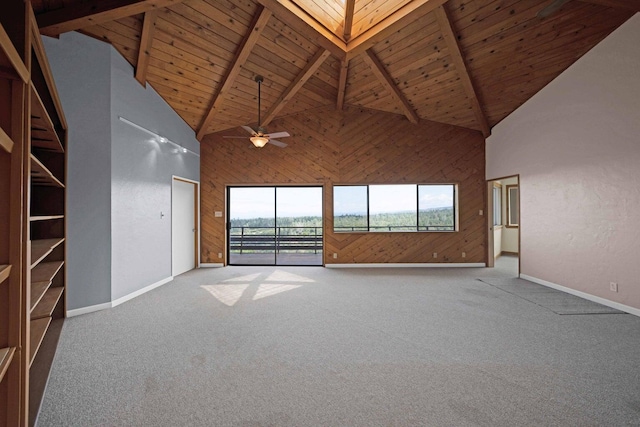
(557, 301)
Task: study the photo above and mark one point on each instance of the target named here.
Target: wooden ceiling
(467, 63)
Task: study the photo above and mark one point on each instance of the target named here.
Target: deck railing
(275, 239)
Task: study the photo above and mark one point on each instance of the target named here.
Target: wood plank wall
(355, 146)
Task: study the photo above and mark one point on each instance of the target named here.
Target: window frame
(509, 223)
(418, 227)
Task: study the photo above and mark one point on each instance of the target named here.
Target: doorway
(275, 225)
(503, 218)
(184, 225)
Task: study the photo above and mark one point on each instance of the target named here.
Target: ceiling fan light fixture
(259, 141)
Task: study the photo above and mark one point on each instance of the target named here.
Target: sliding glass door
(274, 225)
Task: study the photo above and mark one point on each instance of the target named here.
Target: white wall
(576, 146)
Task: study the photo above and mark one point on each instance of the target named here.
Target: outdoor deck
(275, 259)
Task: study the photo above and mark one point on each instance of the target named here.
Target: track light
(160, 138)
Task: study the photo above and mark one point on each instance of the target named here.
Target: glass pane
(299, 225)
(513, 206)
(437, 207)
(497, 205)
(393, 208)
(252, 232)
(350, 208)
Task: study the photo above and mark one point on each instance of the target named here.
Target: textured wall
(119, 178)
(356, 146)
(576, 147)
(141, 180)
(82, 71)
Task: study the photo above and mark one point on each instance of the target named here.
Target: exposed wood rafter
(299, 20)
(311, 67)
(348, 18)
(449, 35)
(255, 30)
(146, 40)
(633, 5)
(381, 73)
(94, 12)
(342, 83)
(394, 22)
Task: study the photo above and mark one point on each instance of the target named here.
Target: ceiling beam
(386, 80)
(255, 30)
(311, 67)
(146, 41)
(348, 18)
(450, 38)
(342, 84)
(296, 18)
(632, 5)
(94, 12)
(394, 22)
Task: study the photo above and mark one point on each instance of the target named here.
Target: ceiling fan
(260, 137)
(551, 8)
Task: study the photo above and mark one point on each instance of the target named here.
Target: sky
(258, 202)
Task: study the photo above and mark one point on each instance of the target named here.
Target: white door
(183, 226)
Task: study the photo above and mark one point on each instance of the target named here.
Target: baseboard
(599, 300)
(87, 310)
(211, 265)
(139, 292)
(409, 265)
(114, 303)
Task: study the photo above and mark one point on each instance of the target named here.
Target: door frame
(491, 256)
(196, 234)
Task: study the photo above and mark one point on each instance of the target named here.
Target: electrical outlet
(335, 255)
(613, 286)
(464, 254)
(480, 212)
(435, 254)
(219, 254)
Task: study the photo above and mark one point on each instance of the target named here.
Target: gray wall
(119, 176)
(141, 175)
(81, 68)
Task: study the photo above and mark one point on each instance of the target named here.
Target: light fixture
(259, 141)
(179, 148)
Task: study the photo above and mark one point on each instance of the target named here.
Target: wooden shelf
(38, 329)
(9, 56)
(47, 304)
(41, 248)
(6, 356)
(43, 133)
(41, 277)
(40, 175)
(5, 141)
(5, 270)
(45, 217)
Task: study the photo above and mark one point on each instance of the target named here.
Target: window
(512, 206)
(497, 204)
(401, 207)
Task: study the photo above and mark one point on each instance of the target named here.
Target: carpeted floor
(308, 346)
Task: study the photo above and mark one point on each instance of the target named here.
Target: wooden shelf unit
(38, 330)
(33, 160)
(41, 175)
(5, 271)
(6, 356)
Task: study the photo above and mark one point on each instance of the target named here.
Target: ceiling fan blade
(277, 143)
(230, 136)
(248, 129)
(551, 8)
(278, 135)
